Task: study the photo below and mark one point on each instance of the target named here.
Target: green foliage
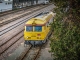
(65, 43)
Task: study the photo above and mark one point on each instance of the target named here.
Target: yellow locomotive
(37, 30)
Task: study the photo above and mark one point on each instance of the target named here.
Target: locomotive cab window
(38, 28)
(29, 28)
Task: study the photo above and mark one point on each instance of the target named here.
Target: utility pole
(36, 1)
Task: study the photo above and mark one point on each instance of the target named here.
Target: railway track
(11, 48)
(31, 53)
(16, 24)
(24, 53)
(6, 21)
(8, 42)
(15, 14)
(18, 13)
(37, 54)
(16, 10)
(5, 30)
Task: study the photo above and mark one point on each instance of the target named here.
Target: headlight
(27, 37)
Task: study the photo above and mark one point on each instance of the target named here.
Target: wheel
(34, 44)
(24, 44)
(44, 41)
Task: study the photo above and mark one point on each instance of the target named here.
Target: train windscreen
(29, 28)
(38, 28)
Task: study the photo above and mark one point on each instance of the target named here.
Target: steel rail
(37, 54)
(10, 43)
(16, 24)
(24, 53)
(1, 52)
(8, 21)
(15, 10)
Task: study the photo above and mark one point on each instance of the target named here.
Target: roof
(40, 19)
(42, 16)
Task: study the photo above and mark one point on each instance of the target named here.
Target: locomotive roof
(42, 16)
(40, 19)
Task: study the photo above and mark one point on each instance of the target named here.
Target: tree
(65, 43)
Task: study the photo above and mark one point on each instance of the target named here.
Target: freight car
(38, 29)
(25, 3)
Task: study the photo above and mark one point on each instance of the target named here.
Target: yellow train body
(38, 28)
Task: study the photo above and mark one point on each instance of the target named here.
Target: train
(38, 29)
(24, 3)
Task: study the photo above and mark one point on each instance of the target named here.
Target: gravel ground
(45, 54)
(16, 53)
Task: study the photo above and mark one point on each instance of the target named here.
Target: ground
(44, 55)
